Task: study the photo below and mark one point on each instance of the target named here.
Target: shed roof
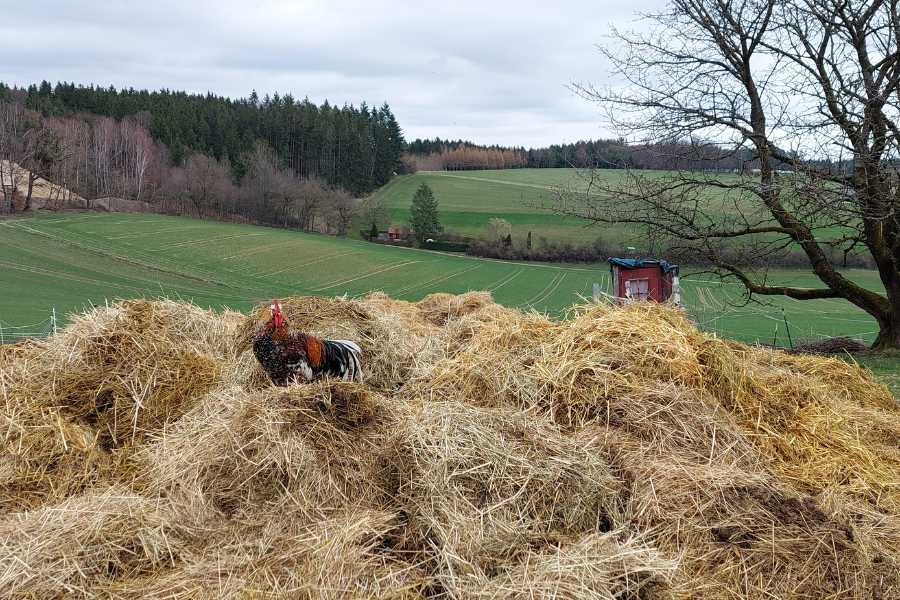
(638, 263)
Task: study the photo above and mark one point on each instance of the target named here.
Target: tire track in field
(547, 291)
(309, 263)
(504, 280)
(540, 293)
(433, 281)
(68, 276)
(130, 261)
(365, 275)
(127, 236)
(553, 290)
(200, 241)
(258, 249)
(141, 286)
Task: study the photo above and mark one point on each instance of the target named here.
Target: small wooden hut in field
(644, 279)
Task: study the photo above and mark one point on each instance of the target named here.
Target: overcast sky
(490, 71)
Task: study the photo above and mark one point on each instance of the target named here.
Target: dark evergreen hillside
(356, 148)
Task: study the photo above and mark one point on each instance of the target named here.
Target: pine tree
(373, 232)
(425, 222)
(357, 149)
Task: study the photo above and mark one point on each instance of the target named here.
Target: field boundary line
(519, 263)
(497, 181)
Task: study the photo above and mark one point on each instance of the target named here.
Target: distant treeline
(106, 157)
(355, 148)
(448, 155)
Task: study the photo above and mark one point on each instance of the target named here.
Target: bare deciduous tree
(808, 92)
(339, 211)
(16, 125)
(373, 212)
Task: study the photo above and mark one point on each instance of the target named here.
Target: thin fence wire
(10, 334)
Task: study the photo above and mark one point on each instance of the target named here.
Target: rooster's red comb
(276, 312)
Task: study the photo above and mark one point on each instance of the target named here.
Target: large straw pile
(488, 454)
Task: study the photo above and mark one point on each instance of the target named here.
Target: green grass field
(469, 199)
(70, 261)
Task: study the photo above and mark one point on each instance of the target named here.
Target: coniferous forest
(357, 148)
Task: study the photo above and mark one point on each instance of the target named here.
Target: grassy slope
(469, 199)
(68, 261)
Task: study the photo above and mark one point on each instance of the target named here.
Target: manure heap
(490, 453)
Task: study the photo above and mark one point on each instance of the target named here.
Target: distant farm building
(396, 232)
(644, 279)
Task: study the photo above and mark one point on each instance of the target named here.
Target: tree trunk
(31, 178)
(889, 333)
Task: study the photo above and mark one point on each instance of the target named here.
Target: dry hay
(98, 537)
(127, 369)
(489, 454)
(440, 308)
(596, 567)
(280, 556)
(320, 444)
(799, 410)
(112, 376)
(481, 487)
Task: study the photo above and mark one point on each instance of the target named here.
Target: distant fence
(10, 334)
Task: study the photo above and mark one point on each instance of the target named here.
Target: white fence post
(596, 292)
(53, 320)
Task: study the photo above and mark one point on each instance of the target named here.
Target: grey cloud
(493, 72)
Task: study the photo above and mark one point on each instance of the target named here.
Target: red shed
(644, 279)
(395, 232)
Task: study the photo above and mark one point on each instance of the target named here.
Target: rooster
(298, 357)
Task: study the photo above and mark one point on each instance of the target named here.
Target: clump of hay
(797, 409)
(482, 486)
(490, 453)
(596, 566)
(47, 456)
(440, 308)
(831, 345)
(720, 519)
(62, 550)
(236, 451)
(71, 402)
(279, 556)
(128, 369)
